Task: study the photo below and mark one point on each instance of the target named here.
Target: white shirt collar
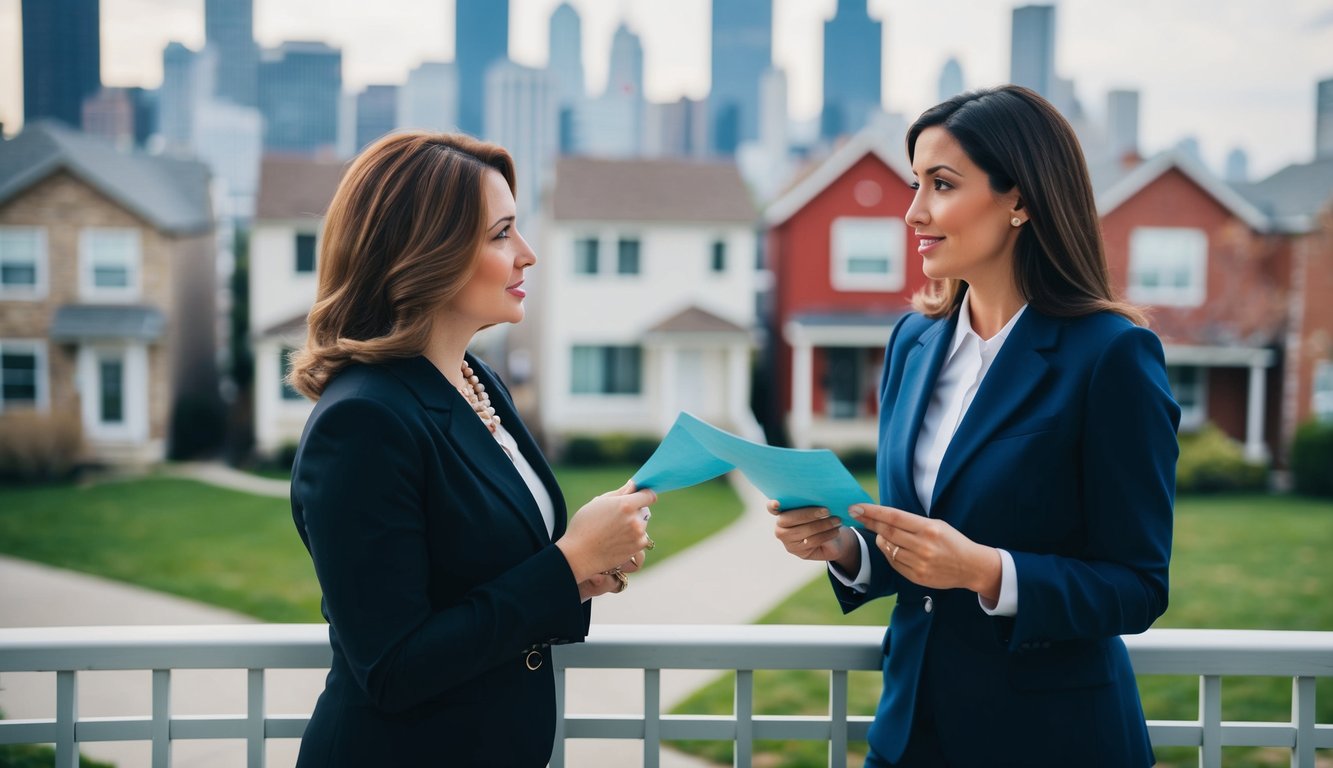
(964, 328)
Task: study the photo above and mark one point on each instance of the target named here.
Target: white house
(645, 298)
(293, 196)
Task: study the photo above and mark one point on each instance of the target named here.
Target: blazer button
(533, 660)
(927, 604)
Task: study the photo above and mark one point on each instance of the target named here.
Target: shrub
(37, 447)
(1211, 462)
(859, 459)
(589, 450)
(1312, 459)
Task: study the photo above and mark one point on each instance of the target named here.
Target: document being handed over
(694, 451)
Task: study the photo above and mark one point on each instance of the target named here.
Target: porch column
(667, 381)
(1255, 449)
(802, 394)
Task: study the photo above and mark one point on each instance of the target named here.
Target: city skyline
(1188, 65)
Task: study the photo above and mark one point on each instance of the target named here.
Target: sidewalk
(734, 577)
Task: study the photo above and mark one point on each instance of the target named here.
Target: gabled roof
(867, 142)
(170, 194)
(1150, 170)
(695, 319)
(594, 189)
(296, 188)
(1295, 195)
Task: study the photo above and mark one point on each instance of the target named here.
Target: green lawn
(1238, 563)
(240, 551)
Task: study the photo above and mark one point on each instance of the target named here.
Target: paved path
(734, 577)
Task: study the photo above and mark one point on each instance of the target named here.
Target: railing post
(744, 752)
(558, 748)
(1210, 721)
(161, 718)
(837, 715)
(652, 718)
(254, 720)
(67, 715)
(1302, 717)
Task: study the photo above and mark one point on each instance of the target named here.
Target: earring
(1017, 222)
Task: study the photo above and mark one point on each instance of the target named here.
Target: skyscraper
(178, 97)
(520, 116)
(61, 58)
(566, 68)
(1323, 120)
(376, 113)
(951, 79)
(1122, 124)
(1032, 48)
(299, 84)
(1238, 166)
(742, 50)
(481, 38)
(429, 98)
(852, 67)
(229, 33)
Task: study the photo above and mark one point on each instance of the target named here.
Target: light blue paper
(694, 451)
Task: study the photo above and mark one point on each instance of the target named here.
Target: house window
(627, 256)
(1323, 391)
(843, 382)
(607, 370)
(719, 262)
(111, 379)
(585, 256)
(1188, 387)
(867, 254)
(1168, 266)
(111, 263)
(22, 375)
(285, 367)
(22, 262)
(305, 253)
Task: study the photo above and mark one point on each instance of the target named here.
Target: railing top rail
(701, 646)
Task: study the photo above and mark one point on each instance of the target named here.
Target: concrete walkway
(734, 577)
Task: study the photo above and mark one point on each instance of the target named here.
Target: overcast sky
(1229, 72)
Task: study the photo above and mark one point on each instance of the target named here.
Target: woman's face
(494, 294)
(962, 225)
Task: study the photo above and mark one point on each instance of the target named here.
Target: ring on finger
(651, 544)
(894, 554)
(632, 560)
(622, 580)
(805, 541)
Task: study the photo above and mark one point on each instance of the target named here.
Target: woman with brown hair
(1027, 452)
(436, 528)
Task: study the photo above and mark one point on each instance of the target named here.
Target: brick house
(107, 288)
(844, 269)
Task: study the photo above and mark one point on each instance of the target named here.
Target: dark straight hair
(1020, 140)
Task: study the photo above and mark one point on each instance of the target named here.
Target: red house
(845, 267)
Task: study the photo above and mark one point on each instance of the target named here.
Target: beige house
(107, 288)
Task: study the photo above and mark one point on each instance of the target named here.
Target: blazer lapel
(1009, 385)
(472, 441)
(920, 369)
(527, 445)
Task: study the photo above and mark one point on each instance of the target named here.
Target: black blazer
(437, 571)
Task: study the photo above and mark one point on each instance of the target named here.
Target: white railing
(1208, 654)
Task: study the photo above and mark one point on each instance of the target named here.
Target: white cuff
(862, 581)
(1007, 604)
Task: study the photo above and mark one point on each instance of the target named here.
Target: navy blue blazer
(1066, 458)
(437, 571)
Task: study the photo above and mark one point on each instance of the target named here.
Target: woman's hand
(601, 583)
(811, 533)
(605, 533)
(931, 552)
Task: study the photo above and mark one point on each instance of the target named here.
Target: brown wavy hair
(1020, 140)
(401, 237)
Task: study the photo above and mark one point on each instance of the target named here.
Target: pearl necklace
(475, 393)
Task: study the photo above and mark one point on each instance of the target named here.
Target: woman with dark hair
(1026, 463)
(436, 528)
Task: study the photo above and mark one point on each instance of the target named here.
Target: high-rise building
(1032, 48)
(852, 69)
(619, 125)
(481, 38)
(299, 85)
(742, 50)
(951, 79)
(429, 99)
(1323, 117)
(376, 113)
(61, 58)
(676, 129)
(123, 116)
(520, 116)
(1122, 124)
(566, 68)
(1238, 166)
(229, 33)
(178, 97)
